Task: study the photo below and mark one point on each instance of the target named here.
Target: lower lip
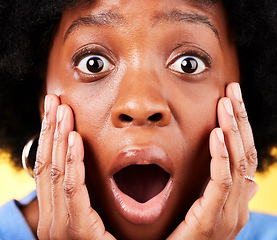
(141, 213)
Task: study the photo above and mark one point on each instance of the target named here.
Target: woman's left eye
(188, 64)
(94, 64)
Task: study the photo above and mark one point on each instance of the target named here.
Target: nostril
(125, 118)
(155, 117)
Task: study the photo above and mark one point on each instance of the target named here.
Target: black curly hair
(28, 26)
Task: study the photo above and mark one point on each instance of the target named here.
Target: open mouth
(141, 182)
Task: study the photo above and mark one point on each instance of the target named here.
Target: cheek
(196, 133)
(91, 105)
(195, 108)
(196, 116)
(91, 110)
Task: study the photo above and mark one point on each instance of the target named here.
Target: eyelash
(84, 52)
(205, 57)
(95, 50)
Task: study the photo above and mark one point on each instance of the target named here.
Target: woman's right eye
(94, 64)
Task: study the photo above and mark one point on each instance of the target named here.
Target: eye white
(189, 65)
(94, 64)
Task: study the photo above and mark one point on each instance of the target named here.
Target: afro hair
(27, 29)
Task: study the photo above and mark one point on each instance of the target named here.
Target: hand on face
(223, 209)
(64, 205)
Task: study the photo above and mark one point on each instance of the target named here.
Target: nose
(140, 102)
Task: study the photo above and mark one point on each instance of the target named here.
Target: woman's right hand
(65, 211)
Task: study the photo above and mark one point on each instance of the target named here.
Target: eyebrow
(113, 19)
(102, 19)
(177, 16)
(208, 3)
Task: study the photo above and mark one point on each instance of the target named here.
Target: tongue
(141, 182)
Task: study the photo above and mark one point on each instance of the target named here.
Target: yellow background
(16, 184)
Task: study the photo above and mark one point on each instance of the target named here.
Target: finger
(235, 149)
(234, 93)
(217, 190)
(207, 211)
(250, 188)
(84, 222)
(43, 164)
(65, 124)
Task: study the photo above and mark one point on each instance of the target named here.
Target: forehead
(203, 3)
(127, 6)
(124, 11)
(151, 12)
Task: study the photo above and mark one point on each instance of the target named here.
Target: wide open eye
(188, 64)
(94, 64)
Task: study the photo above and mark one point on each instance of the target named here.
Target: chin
(155, 227)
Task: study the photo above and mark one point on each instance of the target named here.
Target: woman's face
(143, 79)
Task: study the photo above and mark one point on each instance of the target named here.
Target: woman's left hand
(65, 211)
(222, 211)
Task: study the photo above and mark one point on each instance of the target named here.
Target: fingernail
(47, 107)
(47, 104)
(220, 135)
(71, 139)
(60, 113)
(237, 92)
(228, 106)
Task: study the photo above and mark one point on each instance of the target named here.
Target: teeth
(141, 182)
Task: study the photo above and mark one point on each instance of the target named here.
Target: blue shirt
(259, 227)
(13, 225)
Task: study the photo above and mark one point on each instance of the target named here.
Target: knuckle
(242, 117)
(46, 128)
(208, 233)
(69, 189)
(252, 156)
(40, 166)
(242, 166)
(226, 183)
(57, 138)
(56, 174)
(235, 129)
(225, 157)
(70, 159)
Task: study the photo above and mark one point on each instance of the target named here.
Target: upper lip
(142, 156)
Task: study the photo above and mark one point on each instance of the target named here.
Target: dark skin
(143, 102)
